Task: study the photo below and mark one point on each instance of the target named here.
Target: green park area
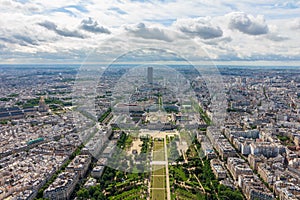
(158, 182)
(158, 178)
(158, 170)
(195, 180)
(159, 194)
(158, 145)
(159, 155)
(158, 151)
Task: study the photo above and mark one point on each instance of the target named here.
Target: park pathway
(167, 170)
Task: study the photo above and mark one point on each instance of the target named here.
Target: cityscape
(149, 100)
(158, 145)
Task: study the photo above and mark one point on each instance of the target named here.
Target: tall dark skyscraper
(150, 75)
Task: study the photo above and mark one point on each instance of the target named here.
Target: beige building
(62, 187)
(79, 164)
(254, 160)
(253, 188)
(266, 173)
(218, 169)
(238, 166)
(97, 171)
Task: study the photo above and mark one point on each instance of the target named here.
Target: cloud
(92, 26)
(199, 27)
(248, 24)
(276, 38)
(26, 39)
(295, 24)
(8, 40)
(140, 30)
(2, 46)
(54, 28)
(118, 10)
(62, 32)
(22, 40)
(288, 5)
(216, 41)
(72, 10)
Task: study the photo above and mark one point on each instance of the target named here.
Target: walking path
(167, 170)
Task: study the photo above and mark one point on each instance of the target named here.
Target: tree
(83, 194)
(99, 195)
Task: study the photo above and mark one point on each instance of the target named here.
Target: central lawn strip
(159, 194)
(159, 155)
(158, 145)
(159, 170)
(158, 182)
(158, 178)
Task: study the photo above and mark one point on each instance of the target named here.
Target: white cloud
(199, 27)
(156, 33)
(276, 38)
(226, 30)
(92, 26)
(61, 31)
(248, 24)
(295, 24)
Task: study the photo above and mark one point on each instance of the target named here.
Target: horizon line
(208, 63)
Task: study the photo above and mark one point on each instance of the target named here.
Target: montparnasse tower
(150, 75)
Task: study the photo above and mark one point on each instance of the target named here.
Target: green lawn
(159, 194)
(158, 170)
(159, 155)
(158, 178)
(158, 182)
(158, 145)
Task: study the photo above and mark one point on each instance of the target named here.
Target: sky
(76, 31)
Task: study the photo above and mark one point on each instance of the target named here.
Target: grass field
(159, 194)
(158, 170)
(158, 182)
(158, 145)
(159, 155)
(158, 178)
